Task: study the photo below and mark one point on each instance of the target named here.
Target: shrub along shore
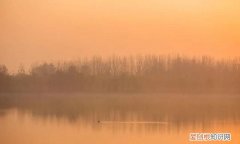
(128, 74)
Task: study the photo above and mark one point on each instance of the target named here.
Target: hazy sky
(45, 30)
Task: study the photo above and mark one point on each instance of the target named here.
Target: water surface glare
(25, 128)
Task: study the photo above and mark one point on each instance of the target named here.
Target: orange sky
(45, 30)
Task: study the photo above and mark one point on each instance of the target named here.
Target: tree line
(149, 73)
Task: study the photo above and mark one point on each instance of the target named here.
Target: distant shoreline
(143, 74)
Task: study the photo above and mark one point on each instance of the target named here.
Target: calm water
(105, 121)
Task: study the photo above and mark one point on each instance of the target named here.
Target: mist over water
(156, 99)
(115, 118)
(119, 72)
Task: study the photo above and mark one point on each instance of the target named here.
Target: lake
(116, 118)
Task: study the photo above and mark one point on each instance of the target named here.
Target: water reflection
(177, 109)
(78, 118)
(2, 112)
(27, 128)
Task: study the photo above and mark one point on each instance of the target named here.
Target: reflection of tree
(176, 109)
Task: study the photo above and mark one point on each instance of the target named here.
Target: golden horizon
(36, 31)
